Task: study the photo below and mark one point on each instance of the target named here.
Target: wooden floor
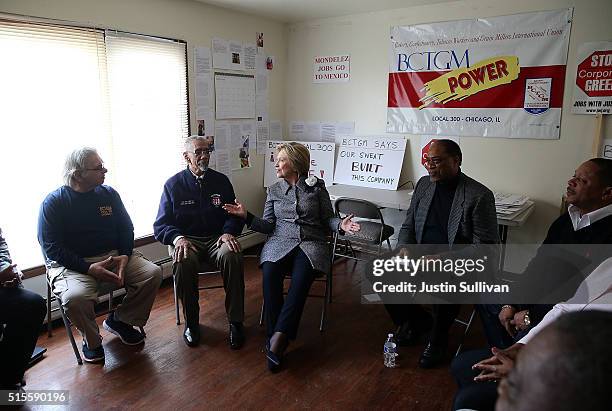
(341, 368)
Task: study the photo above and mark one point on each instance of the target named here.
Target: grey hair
(76, 162)
(189, 141)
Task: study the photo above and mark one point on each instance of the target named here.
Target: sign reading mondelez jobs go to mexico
(370, 161)
(491, 77)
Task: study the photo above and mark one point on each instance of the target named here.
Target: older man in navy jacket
(191, 221)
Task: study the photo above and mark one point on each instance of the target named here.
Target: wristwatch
(526, 320)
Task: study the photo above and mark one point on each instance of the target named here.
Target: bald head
(565, 367)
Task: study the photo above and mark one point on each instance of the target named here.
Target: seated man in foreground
(21, 314)
(478, 383)
(565, 367)
(87, 238)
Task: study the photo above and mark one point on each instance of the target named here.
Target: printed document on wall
(235, 96)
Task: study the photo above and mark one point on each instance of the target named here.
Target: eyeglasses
(202, 151)
(436, 161)
(99, 168)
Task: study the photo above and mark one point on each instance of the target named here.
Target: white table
(398, 199)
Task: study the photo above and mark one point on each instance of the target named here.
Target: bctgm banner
(593, 88)
(370, 161)
(321, 161)
(493, 77)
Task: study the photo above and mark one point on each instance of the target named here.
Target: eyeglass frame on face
(435, 161)
(201, 151)
(98, 168)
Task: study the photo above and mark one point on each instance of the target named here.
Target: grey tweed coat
(472, 213)
(297, 216)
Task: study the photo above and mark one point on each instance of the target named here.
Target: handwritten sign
(321, 160)
(370, 161)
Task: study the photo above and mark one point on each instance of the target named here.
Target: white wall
(537, 168)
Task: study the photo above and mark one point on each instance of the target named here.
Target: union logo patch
(215, 199)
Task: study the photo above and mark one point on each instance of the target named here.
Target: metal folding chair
(326, 300)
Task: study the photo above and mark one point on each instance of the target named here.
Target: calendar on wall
(234, 96)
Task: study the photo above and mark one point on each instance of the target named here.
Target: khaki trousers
(79, 293)
(186, 274)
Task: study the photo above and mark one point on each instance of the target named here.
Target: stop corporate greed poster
(492, 77)
(593, 88)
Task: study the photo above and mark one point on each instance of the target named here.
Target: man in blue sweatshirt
(87, 238)
(191, 221)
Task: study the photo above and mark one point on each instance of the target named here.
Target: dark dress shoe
(236, 336)
(406, 336)
(432, 356)
(191, 335)
(274, 361)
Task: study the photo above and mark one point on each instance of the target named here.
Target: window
(66, 87)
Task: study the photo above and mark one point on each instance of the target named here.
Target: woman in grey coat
(297, 217)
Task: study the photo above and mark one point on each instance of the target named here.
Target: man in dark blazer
(447, 208)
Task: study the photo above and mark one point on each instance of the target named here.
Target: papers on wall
(321, 160)
(236, 55)
(426, 141)
(240, 157)
(260, 62)
(332, 132)
(219, 158)
(235, 96)
(250, 52)
(223, 163)
(220, 53)
(270, 62)
(370, 161)
(321, 131)
(296, 129)
(263, 135)
(261, 107)
(202, 61)
(606, 149)
(261, 83)
(268, 131)
(205, 122)
(509, 205)
(233, 55)
(203, 91)
(312, 131)
(234, 139)
(276, 130)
